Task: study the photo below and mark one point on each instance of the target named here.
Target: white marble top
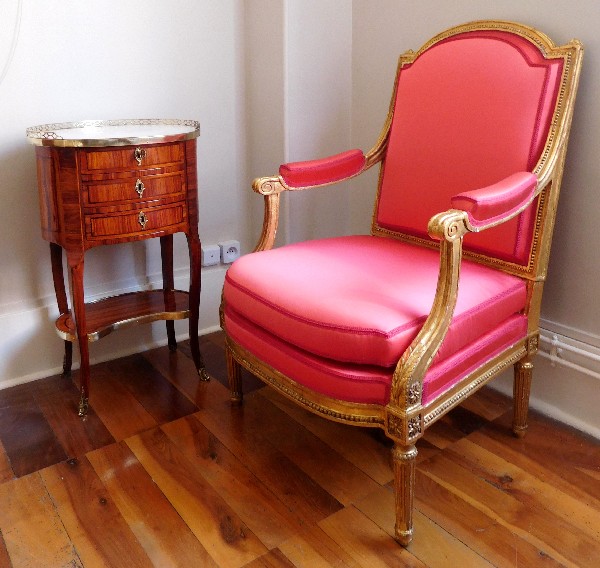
(113, 132)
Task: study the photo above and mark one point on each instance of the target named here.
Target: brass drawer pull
(139, 187)
(139, 154)
(142, 219)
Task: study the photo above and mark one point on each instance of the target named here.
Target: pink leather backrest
(469, 111)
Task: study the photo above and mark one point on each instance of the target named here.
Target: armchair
(393, 329)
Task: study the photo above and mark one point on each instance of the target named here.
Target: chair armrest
(324, 171)
(499, 202)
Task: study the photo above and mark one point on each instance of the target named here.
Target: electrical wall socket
(230, 250)
(211, 255)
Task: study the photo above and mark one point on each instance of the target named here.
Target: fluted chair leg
(521, 390)
(234, 375)
(404, 459)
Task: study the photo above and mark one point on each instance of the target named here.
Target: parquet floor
(165, 472)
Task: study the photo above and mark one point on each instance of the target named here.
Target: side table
(118, 181)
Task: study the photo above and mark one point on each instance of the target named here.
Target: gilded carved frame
(404, 419)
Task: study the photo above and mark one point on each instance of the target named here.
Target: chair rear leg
(521, 388)
(404, 459)
(234, 375)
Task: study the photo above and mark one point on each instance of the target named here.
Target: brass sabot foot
(203, 374)
(83, 406)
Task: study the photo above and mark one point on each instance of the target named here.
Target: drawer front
(144, 188)
(135, 223)
(131, 157)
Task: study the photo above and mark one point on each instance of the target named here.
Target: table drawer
(144, 188)
(135, 223)
(131, 157)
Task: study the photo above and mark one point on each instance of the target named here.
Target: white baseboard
(566, 379)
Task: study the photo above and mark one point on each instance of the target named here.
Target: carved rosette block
(404, 428)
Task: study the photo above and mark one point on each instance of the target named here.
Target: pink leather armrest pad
(326, 170)
(492, 203)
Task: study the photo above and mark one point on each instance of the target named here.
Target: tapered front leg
(76, 274)
(166, 255)
(234, 374)
(194, 297)
(56, 256)
(521, 391)
(404, 459)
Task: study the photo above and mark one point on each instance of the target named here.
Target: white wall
(114, 59)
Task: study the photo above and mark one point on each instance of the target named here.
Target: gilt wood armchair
(393, 329)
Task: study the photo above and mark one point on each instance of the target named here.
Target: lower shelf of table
(118, 312)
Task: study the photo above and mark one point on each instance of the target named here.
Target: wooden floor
(165, 472)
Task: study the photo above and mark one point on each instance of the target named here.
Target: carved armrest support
(449, 227)
(479, 210)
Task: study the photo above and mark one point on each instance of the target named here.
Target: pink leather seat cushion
(363, 299)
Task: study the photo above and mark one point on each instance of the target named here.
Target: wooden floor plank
(149, 387)
(252, 500)
(483, 534)
(180, 371)
(32, 532)
(488, 403)
(368, 544)
(273, 484)
(565, 454)
(434, 547)
(6, 471)
(226, 538)
(341, 479)
(543, 529)
(357, 445)
(158, 527)
(307, 500)
(527, 488)
(273, 559)
(119, 410)
(4, 558)
(58, 399)
(23, 425)
(98, 531)
(311, 547)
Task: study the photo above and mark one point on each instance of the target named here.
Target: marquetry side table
(118, 181)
